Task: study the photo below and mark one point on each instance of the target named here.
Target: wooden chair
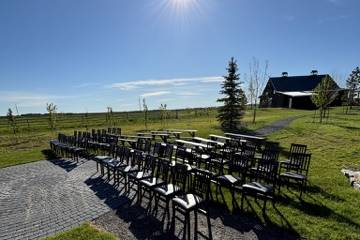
(134, 165)
(294, 149)
(160, 176)
(239, 169)
(263, 183)
(195, 200)
(166, 192)
(145, 172)
(296, 171)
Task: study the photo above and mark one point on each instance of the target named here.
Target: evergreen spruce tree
(234, 98)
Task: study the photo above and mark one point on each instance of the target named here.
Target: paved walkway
(42, 198)
(275, 126)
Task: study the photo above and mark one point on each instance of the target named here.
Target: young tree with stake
(146, 117)
(51, 108)
(258, 78)
(323, 96)
(12, 121)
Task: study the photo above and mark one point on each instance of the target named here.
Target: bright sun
(179, 11)
(181, 4)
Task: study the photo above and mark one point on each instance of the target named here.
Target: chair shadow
(144, 224)
(314, 207)
(49, 154)
(67, 164)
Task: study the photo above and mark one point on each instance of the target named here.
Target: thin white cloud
(188, 93)
(87, 84)
(155, 94)
(332, 19)
(27, 99)
(165, 82)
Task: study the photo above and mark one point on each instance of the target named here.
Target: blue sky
(85, 55)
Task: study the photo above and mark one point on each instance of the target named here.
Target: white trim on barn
(297, 94)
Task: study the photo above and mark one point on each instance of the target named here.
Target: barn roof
(296, 83)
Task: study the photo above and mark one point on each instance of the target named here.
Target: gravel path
(274, 127)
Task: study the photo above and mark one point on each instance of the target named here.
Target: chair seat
(257, 187)
(129, 169)
(262, 169)
(293, 175)
(287, 161)
(152, 182)
(204, 156)
(78, 149)
(116, 163)
(100, 158)
(140, 175)
(219, 161)
(228, 179)
(167, 189)
(187, 201)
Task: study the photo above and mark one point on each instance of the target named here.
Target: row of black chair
(157, 176)
(236, 169)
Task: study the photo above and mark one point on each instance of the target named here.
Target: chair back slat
(266, 171)
(179, 175)
(162, 169)
(298, 148)
(200, 184)
(299, 163)
(183, 156)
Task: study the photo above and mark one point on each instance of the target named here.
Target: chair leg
(139, 191)
(232, 190)
(173, 221)
(196, 224)
(188, 225)
(185, 227)
(108, 173)
(209, 223)
(264, 207)
(114, 175)
(242, 201)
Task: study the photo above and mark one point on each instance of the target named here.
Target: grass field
(329, 210)
(84, 232)
(331, 207)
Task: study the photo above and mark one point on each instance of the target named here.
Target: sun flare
(181, 5)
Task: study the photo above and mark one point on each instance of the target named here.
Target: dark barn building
(294, 91)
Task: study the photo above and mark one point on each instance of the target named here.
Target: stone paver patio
(42, 198)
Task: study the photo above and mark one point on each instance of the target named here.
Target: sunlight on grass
(84, 232)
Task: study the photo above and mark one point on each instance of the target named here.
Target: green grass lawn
(84, 232)
(331, 207)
